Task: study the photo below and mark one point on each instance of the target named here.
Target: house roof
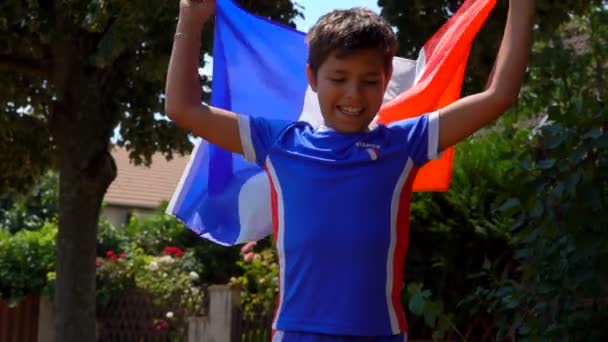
(142, 186)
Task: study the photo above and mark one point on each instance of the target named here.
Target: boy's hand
(247, 251)
(198, 11)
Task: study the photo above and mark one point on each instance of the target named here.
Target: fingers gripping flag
(259, 70)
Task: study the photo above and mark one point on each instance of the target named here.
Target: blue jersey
(340, 212)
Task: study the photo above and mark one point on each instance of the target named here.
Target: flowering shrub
(170, 279)
(172, 275)
(154, 233)
(259, 282)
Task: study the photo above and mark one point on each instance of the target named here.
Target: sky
(313, 9)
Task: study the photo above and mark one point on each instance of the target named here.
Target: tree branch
(36, 67)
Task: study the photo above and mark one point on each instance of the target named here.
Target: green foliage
(417, 20)
(26, 257)
(23, 216)
(455, 232)
(153, 233)
(483, 172)
(543, 279)
(31, 211)
(26, 151)
(258, 282)
(150, 233)
(559, 287)
(123, 46)
(171, 278)
(432, 311)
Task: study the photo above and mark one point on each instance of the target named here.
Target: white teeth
(351, 110)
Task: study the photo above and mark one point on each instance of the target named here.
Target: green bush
(558, 284)
(454, 233)
(147, 257)
(155, 232)
(259, 283)
(171, 278)
(26, 258)
(32, 210)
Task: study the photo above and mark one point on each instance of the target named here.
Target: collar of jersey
(324, 128)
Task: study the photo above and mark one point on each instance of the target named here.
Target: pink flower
(98, 262)
(122, 255)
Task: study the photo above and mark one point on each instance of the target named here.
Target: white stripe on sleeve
(246, 142)
(433, 136)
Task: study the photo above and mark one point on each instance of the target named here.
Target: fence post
(223, 315)
(198, 329)
(46, 326)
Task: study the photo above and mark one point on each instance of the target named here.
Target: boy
(340, 192)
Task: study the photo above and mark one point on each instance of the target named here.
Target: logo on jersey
(372, 149)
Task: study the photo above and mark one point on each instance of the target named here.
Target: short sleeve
(258, 135)
(421, 136)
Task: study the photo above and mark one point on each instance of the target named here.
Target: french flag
(259, 70)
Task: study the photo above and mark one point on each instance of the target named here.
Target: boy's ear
(312, 78)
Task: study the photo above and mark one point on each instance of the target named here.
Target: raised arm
(467, 115)
(183, 91)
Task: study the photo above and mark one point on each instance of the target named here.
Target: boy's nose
(353, 91)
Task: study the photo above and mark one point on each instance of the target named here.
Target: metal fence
(135, 317)
(256, 328)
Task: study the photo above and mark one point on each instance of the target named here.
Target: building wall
(119, 215)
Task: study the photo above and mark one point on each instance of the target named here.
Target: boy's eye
(372, 82)
(337, 80)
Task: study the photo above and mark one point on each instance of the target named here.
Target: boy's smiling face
(350, 89)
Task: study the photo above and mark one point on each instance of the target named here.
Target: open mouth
(350, 111)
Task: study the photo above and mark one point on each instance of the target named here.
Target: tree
(419, 19)
(560, 237)
(71, 72)
(550, 282)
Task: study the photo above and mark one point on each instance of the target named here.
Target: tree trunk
(80, 199)
(83, 115)
(81, 128)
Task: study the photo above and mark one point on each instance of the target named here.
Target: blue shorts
(295, 336)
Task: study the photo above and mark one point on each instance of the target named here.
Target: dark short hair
(348, 31)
